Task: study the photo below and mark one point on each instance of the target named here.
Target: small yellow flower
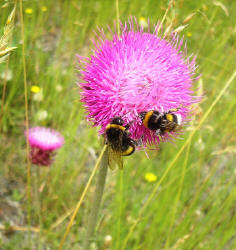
(142, 19)
(150, 177)
(44, 9)
(189, 34)
(35, 89)
(28, 11)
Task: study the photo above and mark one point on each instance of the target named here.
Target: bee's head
(117, 120)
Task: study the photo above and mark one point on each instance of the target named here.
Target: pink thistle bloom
(43, 142)
(138, 72)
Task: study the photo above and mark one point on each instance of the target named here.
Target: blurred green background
(195, 199)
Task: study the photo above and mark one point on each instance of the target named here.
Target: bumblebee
(119, 142)
(161, 123)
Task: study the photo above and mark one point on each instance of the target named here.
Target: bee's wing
(178, 128)
(114, 159)
(171, 125)
(111, 164)
(168, 125)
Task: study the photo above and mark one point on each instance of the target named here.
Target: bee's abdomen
(127, 149)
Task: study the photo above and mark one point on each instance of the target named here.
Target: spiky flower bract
(43, 142)
(138, 71)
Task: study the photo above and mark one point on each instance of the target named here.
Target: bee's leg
(158, 132)
(105, 140)
(127, 126)
(133, 142)
(140, 141)
(127, 134)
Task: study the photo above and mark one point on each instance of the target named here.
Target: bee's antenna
(178, 108)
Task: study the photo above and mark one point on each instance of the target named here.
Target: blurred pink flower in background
(136, 72)
(43, 142)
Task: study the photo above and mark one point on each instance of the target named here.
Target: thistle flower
(136, 72)
(43, 142)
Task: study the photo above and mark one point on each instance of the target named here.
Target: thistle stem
(97, 198)
(38, 200)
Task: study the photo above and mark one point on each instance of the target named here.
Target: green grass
(194, 206)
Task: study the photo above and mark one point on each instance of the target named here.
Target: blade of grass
(178, 195)
(117, 18)
(4, 92)
(4, 40)
(164, 17)
(26, 118)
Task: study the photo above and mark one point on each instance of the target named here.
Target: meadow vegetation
(192, 182)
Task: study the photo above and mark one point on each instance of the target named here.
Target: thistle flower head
(136, 72)
(43, 142)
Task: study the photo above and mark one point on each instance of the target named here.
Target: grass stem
(4, 93)
(28, 187)
(117, 18)
(177, 198)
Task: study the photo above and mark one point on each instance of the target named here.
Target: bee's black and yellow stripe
(171, 118)
(147, 118)
(109, 126)
(128, 151)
